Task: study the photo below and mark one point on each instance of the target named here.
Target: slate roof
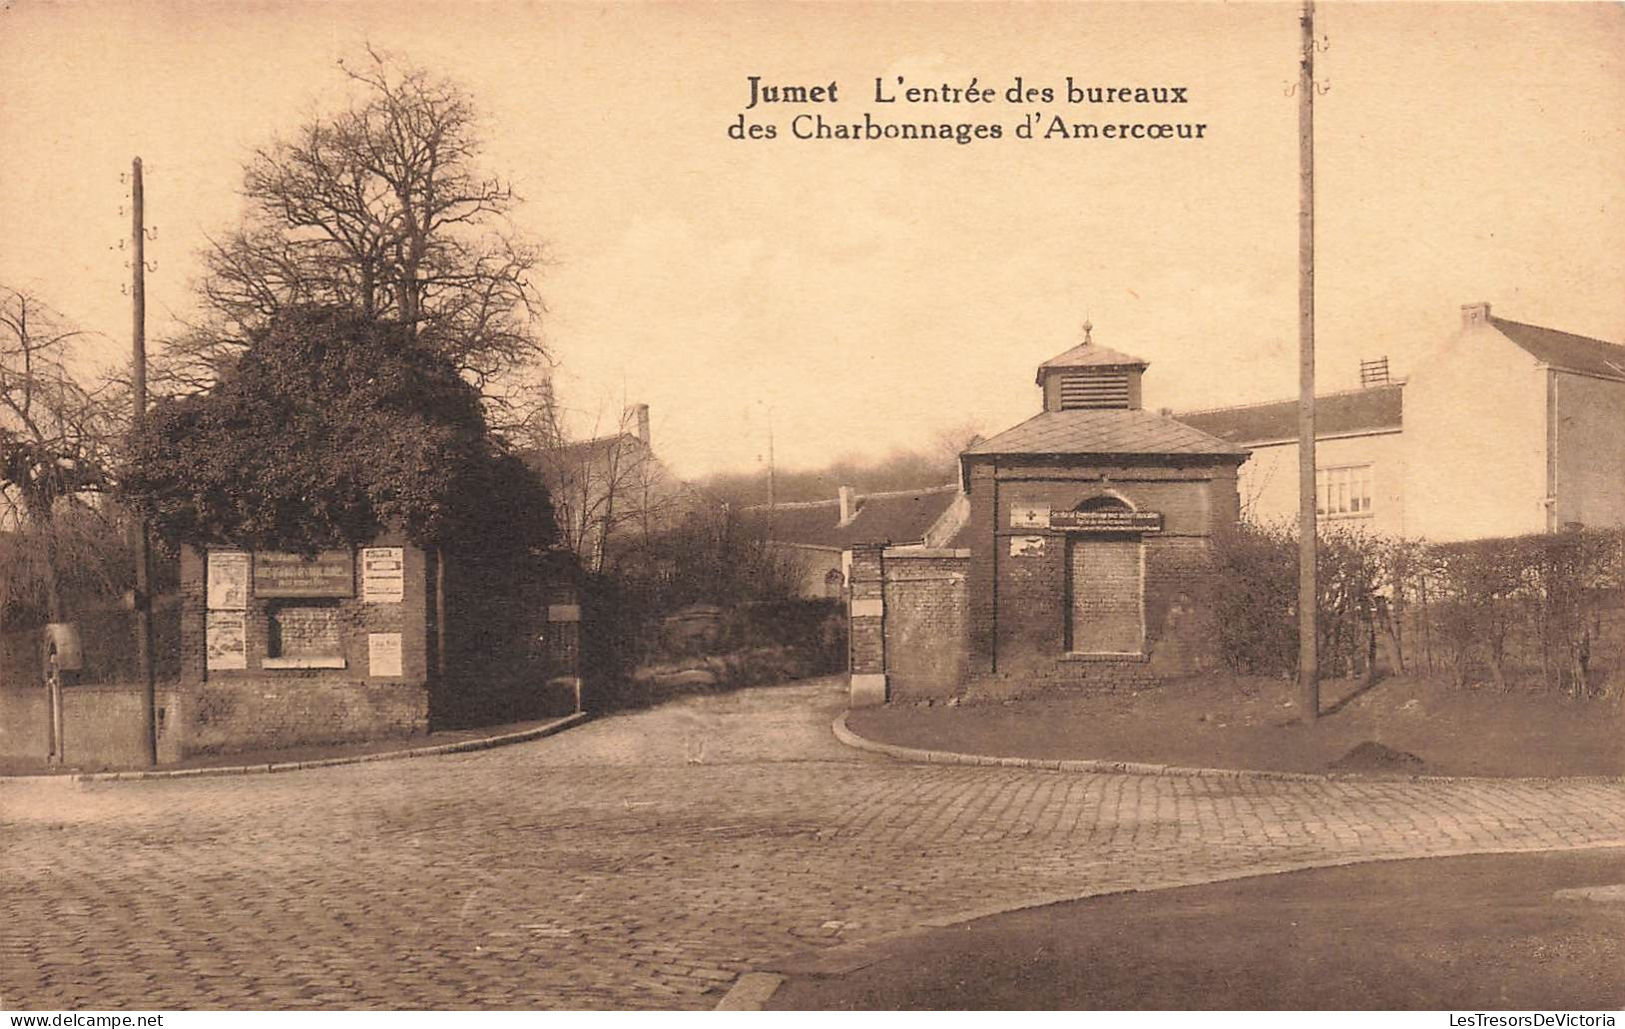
(961, 540)
(587, 450)
(1089, 355)
(1566, 350)
(1104, 432)
(1374, 409)
(899, 518)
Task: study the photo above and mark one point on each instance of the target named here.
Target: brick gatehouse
(1083, 561)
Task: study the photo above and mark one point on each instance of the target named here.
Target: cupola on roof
(1092, 411)
(1091, 377)
(1089, 354)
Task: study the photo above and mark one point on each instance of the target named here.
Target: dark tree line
(331, 427)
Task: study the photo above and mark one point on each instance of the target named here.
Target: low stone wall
(266, 712)
(102, 725)
(757, 666)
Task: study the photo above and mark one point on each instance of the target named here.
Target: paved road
(638, 861)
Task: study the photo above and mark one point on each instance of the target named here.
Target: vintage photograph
(551, 506)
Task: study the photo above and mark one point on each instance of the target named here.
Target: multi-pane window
(1343, 492)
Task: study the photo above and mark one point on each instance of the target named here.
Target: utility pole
(1308, 644)
(143, 559)
(772, 468)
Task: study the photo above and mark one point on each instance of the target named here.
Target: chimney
(1475, 314)
(849, 504)
(639, 413)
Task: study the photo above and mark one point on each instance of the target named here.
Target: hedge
(1543, 611)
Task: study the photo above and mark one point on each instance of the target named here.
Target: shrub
(710, 559)
(1257, 599)
(1545, 610)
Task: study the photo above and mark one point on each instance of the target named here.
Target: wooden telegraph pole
(143, 585)
(1308, 649)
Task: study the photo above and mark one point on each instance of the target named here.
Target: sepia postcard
(549, 506)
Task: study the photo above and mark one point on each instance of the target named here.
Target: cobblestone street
(642, 860)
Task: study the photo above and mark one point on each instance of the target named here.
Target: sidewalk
(311, 756)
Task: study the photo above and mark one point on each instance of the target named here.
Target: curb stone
(460, 747)
(845, 734)
(750, 992)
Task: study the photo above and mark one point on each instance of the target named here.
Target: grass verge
(1231, 722)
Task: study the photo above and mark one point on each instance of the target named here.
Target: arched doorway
(1105, 586)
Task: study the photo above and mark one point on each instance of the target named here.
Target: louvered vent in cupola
(1094, 389)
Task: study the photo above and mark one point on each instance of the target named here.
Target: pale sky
(871, 293)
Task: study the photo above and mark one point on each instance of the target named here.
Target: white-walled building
(1504, 429)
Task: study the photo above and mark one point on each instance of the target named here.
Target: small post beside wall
(866, 654)
(564, 643)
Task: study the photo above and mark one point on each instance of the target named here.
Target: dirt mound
(1371, 756)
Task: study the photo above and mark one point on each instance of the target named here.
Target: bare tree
(610, 492)
(950, 441)
(381, 208)
(55, 441)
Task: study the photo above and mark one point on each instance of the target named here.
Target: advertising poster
(226, 644)
(384, 654)
(228, 580)
(383, 579)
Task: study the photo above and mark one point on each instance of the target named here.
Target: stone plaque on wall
(331, 573)
(1022, 546)
(1029, 516)
(1107, 521)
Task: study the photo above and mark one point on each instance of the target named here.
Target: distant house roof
(899, 518)
(1376, 409)
(585, 451)
(1104, 432)
(1565, 350)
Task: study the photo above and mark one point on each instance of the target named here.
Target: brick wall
(291, 707)
(927, 622)
(102, 725)
(223, 710)
(1180, 632)
(982, 575)
(1020, 575)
